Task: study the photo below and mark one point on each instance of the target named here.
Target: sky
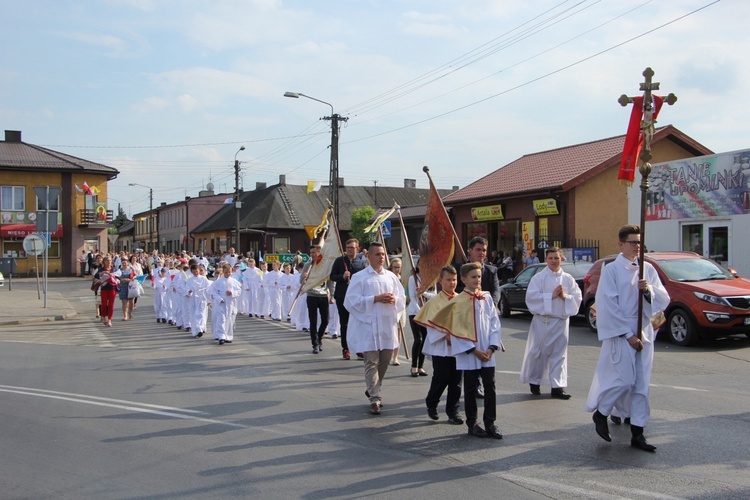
(167, 91)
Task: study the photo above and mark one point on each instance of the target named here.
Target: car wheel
(681, 328)
(591, 316)
(504, 307)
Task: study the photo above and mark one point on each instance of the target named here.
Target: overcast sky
(167, 91)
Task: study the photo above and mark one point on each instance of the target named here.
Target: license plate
(747, 321)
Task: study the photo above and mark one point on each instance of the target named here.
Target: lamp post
(333, 181)
(237, 202)
(150, 214)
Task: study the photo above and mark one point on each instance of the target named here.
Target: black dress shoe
(432, 413)
(641, 443)
(615, 420)
(559, 393)
(200, 334)
(627, 420)
(455, 420)
(493, 432)
(600, 421)
(221, 341)
(535, 390)
(477, 431)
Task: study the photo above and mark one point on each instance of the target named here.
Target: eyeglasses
(634, 243)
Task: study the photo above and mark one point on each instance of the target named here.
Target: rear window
(693, 270)
(577, 269)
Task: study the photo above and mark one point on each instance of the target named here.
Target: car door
(517, 293)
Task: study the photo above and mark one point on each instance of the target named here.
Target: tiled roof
(23, 156)
(290, 206)
(559, 168)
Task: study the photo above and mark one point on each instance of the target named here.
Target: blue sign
(48, 237)
(386, 228)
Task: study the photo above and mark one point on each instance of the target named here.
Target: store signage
(546, 206)
(490, 212)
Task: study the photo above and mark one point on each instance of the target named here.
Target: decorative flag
(375, 225)
(320, 271)
(313, 186)
(407, 265)
(87, 189)
(228, 201)
(78, 188)
(634, 139)
(95, 191)
(436, 244)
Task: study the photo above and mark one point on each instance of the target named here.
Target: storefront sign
(490, 212)
(528, 237)
(547, 206)
(707, 186)
(22, 224)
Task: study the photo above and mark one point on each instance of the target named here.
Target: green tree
(361, 218)
(121, 219)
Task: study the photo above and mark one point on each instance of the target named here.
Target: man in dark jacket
(341, 273)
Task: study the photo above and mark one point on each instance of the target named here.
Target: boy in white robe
(439, 350)
(224, 294)
(196, 287)
(623, 372)
(474, 326)
(272, 286)
(288, 281)
(553, 296)
(160, 284)
(262, 302)
(375, 299)
(300, 318)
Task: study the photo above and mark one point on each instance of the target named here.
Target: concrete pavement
(23, 304)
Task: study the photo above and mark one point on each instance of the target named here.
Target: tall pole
(150, 219)
(237, 202)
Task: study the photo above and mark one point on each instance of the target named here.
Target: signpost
(34, 244)
(46, 217)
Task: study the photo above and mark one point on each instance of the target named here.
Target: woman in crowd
(109, 287)
(127, 274)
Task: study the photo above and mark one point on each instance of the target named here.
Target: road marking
(680, 388)
(508, 372)
(585, 492)
(166, 411)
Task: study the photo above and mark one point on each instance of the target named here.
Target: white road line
(508, 372)
(144, 408)
(584, 492)
(679, 388)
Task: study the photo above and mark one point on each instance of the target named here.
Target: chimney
(260, 185)
(282, 180)
(455, 188)
(341, 182)
(163, 203)
(410, 183)
(12, 136)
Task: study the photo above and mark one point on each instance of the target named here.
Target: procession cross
(645, 136)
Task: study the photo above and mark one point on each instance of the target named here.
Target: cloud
(187, 102)
(429, 25)
(115, 44)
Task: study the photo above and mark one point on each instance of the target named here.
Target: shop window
(692, 238)
(280, 244)
(13, 247)
(13, 198)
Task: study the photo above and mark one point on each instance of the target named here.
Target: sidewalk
(22, 304)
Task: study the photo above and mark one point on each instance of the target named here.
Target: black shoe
(304, 329)
(641, 443)
(200, 334)
(627, 420)
(316, 350)
(179, 328)
(535, 389)
(480, 393)
(221, 341)
(600, 421)
(493, 432)
(227, 341)
(157, 320)
(615, 420)
(187, 329)
(432, 413)
(455, 419)
(559, 393)
(477, 431)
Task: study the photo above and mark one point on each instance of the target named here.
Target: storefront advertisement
(707, 186)
(528, 237)
(546, 206)
(21, 224)
(490, 212)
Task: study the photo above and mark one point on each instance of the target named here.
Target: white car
(2, 279)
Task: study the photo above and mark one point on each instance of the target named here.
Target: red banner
(23, 230)
(436, 244)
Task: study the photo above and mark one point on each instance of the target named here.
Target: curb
(59, 317)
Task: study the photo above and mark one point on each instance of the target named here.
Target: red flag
(87, 189)
(436, 244)
(634, 139)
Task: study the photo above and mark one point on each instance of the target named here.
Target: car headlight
(713, 299)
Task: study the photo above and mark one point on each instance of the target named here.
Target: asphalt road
(144, 411)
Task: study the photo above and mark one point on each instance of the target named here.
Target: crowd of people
(455, 325)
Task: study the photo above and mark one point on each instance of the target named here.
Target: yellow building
(82, 215)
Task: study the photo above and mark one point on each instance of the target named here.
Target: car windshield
(693, 270)
(577, 269)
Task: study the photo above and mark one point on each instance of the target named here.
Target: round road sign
(34, 244)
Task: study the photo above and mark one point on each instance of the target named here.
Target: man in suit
(490, 282)
(341, 272)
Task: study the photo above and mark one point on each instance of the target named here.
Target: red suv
(706, 299)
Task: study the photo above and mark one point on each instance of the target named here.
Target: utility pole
(333, 182)
(237, 202)
(150, 219)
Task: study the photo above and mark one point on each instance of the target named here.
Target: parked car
(513, 293)
(2, 279)
(706, 298)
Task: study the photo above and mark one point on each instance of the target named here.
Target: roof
(290, 206)
(562, 168)
(18, 155)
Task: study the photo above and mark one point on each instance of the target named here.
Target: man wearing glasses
(623, 372)
(341, 273)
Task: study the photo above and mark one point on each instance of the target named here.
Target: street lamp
(237, 202)
(334, 175)
(150, 213)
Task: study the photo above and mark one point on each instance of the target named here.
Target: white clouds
(115, 44)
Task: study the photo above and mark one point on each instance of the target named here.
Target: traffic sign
(34, 244)
(386, 228)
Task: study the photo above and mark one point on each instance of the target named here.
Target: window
(54, 204)
(13, 198)
(280, 244)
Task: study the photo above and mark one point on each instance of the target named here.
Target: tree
(361, 218)
(121, 219)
